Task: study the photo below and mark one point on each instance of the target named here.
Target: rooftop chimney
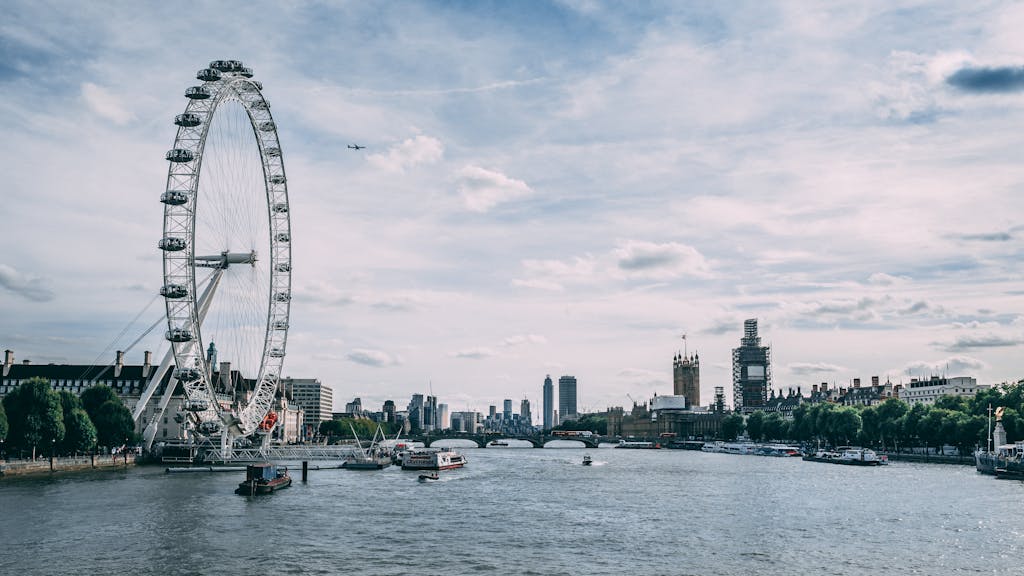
(814, 389)
(874, 380)
(856, 382)
(147, 363)
(8, 361)
(118, 364)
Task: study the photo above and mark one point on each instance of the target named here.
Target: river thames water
(525, 511)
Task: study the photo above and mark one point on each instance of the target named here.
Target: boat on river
(730, 447)
(587, 460)
(432, 459)
(777, 450)
(374, 457)
(638, 445)
(263, 478)
(1006, 461)
(848, 455)
(429, 477)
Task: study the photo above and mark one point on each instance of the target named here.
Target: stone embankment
(930, 458)
(68, 464)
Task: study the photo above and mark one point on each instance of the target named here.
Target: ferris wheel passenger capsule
(209, 427)
(196, 405)
(174, 197)
(282, 297)
(283, 237)
(179, 335)
(280, 207)
(179, 155)
(208, 75)
(187, 374)
(173, 291)
(171, 244)
(277, 179)
(197, 92)
(188, 120)
(267, 126)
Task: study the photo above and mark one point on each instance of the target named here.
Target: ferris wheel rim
(222, 81)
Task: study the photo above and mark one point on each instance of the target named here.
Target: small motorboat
(587, 461)
(263, 478)
(430, 477)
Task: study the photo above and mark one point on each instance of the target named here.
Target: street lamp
(53, 447)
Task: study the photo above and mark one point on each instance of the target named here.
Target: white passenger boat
(432, 459)
(848, 455)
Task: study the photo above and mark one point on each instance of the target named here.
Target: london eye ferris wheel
(226, 253)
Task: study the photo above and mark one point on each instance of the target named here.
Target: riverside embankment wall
(67, 464)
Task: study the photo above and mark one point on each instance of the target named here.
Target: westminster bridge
(482, 440)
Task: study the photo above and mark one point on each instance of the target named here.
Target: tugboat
(263, 478)
(429, 477)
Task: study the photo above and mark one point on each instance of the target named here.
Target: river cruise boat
(743, 448)
(848, 455)
(777, 451)
(432, 459)
(264, 478)
(638, 445)
(1006, 460)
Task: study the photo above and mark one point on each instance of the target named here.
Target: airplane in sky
(356, 146)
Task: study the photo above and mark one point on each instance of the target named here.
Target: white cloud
(375, 358)
(482, 189)
(521, 339)
(807, 368)
(29, 287)
(412, 152)
(477, 353)
(659, 261)
(106, 103)
(883, 279)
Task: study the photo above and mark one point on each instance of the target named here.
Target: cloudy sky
(548, 187)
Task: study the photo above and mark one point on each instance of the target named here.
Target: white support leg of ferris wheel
(149, 434)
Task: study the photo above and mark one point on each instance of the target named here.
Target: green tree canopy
(732, 426)
(592, 422)
(34, 416)
(114, 424)
(81, 434)
(776, 427)
(96, 396)
(755, 426)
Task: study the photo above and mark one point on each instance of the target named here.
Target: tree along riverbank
(65, 464)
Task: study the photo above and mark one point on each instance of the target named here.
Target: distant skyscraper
(549, 401)
(430, 417)
(506, 410)
(389, 410)
(686, 378)
(524, 412)
(566, 398)
(442, 417)
(751, 371)
(416, 412)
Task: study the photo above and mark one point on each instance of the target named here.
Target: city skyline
(552, 188)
